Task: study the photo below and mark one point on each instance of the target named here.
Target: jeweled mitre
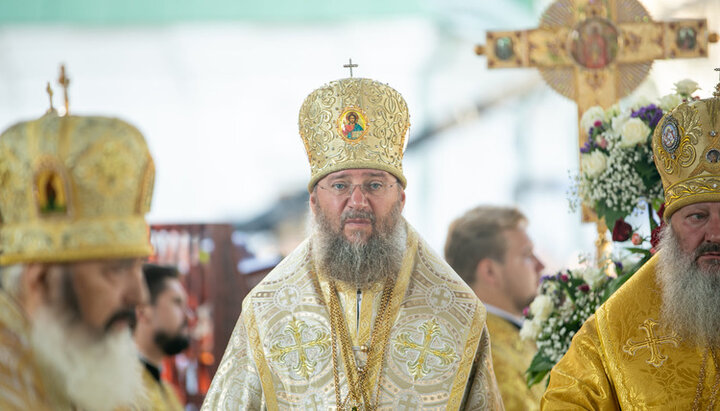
(354, 123)
(686, 147)
(74, 188)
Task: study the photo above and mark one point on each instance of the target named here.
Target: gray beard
(360, 264)
(691, 294)
(93, 372)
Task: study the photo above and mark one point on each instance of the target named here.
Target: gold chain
(376, 350)
(714, 391)
(701, 382)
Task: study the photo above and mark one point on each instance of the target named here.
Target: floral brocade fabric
(511, 357)
(626, 357)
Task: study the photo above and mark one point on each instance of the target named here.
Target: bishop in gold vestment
(655, 343)
(437, 356)
(363, 314)
(73, 194)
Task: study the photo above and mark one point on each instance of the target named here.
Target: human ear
(487, 271)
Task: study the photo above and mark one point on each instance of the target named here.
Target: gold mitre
(74, 188)
(686, 147)
(354, 123)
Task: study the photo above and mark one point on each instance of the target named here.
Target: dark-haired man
(161, 330)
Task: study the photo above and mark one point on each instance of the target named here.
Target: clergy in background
(161, 330)
(73, 238)
(363, 314)
(655, 343)
(490, 249)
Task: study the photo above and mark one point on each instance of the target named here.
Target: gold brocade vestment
(626, 357)
(280, 354)
(159, 395)
(511, 357)
(22, 386)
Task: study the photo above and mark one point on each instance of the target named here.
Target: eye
(697, 216)
(375, 186)
(338, 186)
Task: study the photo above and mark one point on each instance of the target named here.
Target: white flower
(686, 87)
(594, 163)
(530, 330)
(593, 276)
(613, 111)
(593, 114)
(541, 307)
(670, 101)
(639, 102)
(617, 123)
(634, 132)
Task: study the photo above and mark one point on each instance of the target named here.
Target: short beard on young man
(357, 263)
(691, 293)
(95, 370)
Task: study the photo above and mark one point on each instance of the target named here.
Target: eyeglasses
(374, 189)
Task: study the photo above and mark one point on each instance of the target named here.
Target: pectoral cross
(350, 65)
(64, 83)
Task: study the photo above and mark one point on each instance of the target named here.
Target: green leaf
(538, 369)
(610, 214)
(536, 378)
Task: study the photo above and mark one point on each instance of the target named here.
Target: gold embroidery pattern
(74, 188)
(652, 343)
(419, 367)
(696, 186)
(300, 334)
(383, 137)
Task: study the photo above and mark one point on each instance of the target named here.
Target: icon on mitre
(50, 191)
(352, 125)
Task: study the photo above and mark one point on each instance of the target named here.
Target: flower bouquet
(564, 302)
(618, 175)
(618, 178)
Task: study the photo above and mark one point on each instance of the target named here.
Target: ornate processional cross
(595, 52)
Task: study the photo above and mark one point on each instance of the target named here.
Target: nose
(712, 233)
(538, 265)
(357, 197)
(135, 290)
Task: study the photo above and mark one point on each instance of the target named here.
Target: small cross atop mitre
(64, 82)
(350, 66)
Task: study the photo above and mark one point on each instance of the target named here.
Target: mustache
(125, 314)
(350, 214)
(705, 248)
